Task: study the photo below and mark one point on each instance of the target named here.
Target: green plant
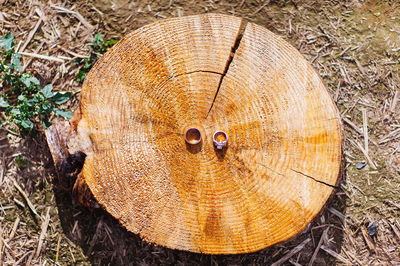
(23, 102)
(97, 48)
(19, 161)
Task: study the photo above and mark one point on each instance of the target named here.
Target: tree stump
(190, 77)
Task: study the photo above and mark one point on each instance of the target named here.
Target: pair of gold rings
(193, 137)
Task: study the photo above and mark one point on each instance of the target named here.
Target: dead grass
(355, 47)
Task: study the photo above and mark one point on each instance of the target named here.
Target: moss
(376, 191)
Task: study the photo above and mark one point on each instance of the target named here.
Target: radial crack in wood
(229, 61)
(194, 72)
(315, 179)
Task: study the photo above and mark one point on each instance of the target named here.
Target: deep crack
(316, 180)
(229, 61)
(313, 178)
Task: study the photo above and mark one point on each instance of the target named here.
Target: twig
(359, 66)
(179, 11)
(365, 129)
(77, 29)
(30, 60)
(291, 261)
(397, 233)
(30, 36)
(337, 92)
(26, 199)
(359, 189)
(394, 101)
(352, 125)
(2, 18)
(45, 224)
(40, 14)
(29, 261)
(358, 130)
(11, 132)
(351, 107)
(73, 53)
(367, 239)
(334, 254)
(14, 229)
(18, 46)
(23, 257)
(325, 33)
(7, 246)
(58, 248)
(98, 11)
(337, 213)
(76, 14)
(1, 247)
(65, 58)
(292, 252)
(6, 208)
(352, 256)
(261, 7)
(109, 234)
(20, 203)
(344, 51)
(343, 72)
(390, 136)
(171, 2)
(393, 204)
(72, 254)
(2, 170)
(323, 237)
(372, 164)
(45, 57)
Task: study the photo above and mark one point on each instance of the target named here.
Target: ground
(354, 46)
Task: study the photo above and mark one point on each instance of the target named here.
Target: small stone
(372, 229)
(360, 165)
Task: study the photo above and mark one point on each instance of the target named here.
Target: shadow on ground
(104, 241)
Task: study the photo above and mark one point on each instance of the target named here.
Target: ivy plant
(25, 106)
(97, 48)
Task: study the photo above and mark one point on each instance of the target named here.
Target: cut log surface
(212, 72)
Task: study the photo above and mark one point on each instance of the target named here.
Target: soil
(355, 47)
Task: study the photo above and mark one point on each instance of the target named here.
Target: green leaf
(15, 111)
(7, 42)
(81, 76)
(21, 98)
(97, 39)
(3, 102)
(30, 102)
(46, 123)
(27, 124)
(20, 162)
(63, 113)
(47, 91)
(29, 80)
(111, 42)
(62, 97)
(16, 62)
(47, 107)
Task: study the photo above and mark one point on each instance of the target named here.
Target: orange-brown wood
(213, 73)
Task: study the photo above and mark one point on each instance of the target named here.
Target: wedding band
(193, 136)
(220, 138)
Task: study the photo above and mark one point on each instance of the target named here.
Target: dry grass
(355, 47)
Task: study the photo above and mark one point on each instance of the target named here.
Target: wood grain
(284, 153)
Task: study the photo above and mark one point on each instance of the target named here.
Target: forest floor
(355, 47)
